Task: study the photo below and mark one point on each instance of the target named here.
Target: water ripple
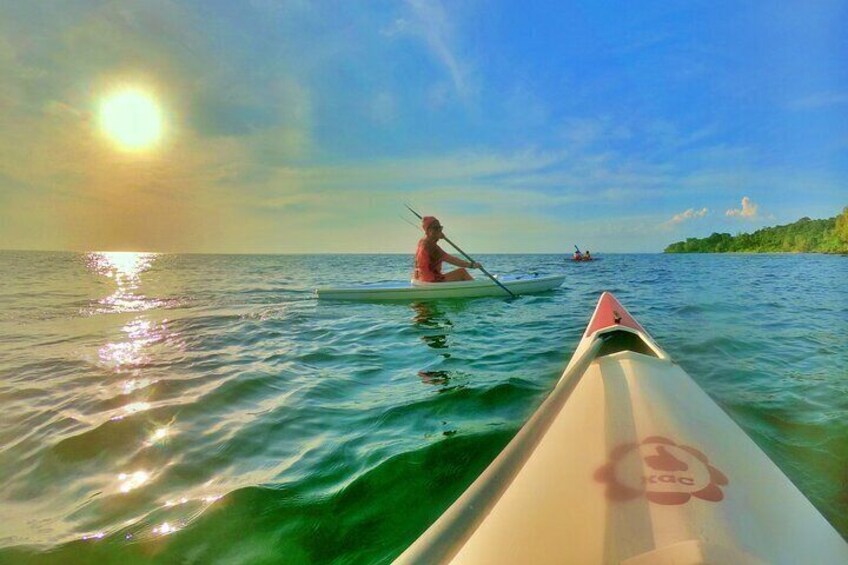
(208, 408)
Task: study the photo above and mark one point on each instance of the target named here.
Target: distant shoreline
(828, 236)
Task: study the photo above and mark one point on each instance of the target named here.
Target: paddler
(429, 256)
(578, 256)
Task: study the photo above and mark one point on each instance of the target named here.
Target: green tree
(806, 235)
(841, 228)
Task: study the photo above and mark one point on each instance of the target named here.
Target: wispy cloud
(428, 171)
(748, 210)
(587, 131)
(689, 214)
(820, 100)
(430, 22)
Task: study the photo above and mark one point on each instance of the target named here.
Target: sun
(132, 118)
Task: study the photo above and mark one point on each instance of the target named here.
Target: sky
(305, 127)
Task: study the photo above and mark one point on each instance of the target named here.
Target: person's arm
(448, 258)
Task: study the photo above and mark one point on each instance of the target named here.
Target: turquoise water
(206, 408)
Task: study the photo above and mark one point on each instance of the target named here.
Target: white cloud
(748, 210)
(689, 214)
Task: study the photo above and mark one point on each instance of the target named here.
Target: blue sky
(526, 127)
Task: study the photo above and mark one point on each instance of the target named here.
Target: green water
(197, 409)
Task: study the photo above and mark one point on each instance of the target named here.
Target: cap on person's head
(428, 221)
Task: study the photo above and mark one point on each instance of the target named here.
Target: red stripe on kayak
(610, 312)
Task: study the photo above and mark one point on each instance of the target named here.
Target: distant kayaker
(578, 256)
(429, 256)
(587, 256)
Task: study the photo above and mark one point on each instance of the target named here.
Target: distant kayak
(584, 260)
(629, 461)
(416, 290)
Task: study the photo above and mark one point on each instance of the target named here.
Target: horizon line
(569, 253)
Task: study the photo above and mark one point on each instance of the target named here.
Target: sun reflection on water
(122, 266)
(160, 435)
(131, 481)
(125, 268)
(133, 353)
(165, 528)
(130, 409)
(130, 385)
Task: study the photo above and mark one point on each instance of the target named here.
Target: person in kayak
(587, 256)
(578, 256)
(429, 256)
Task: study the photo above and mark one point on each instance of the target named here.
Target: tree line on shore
(804, 236)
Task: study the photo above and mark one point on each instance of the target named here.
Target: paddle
(464, 254)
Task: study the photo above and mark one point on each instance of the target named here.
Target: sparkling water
(207, 408)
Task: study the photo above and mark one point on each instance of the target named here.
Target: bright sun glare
(132, 119)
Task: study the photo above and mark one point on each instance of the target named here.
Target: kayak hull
(433, 291)
(629, 461)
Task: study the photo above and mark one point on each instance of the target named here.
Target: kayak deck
(416, 290)
(629, 461)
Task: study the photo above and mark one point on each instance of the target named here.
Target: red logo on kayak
(666, 473)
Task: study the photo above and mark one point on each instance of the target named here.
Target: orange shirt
(428, 262)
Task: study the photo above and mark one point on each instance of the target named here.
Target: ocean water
(208, 409)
